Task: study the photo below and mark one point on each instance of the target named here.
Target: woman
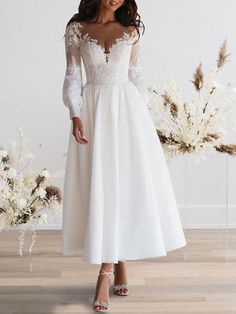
(119, 203)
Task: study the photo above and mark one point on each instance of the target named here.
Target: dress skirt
(118, 200)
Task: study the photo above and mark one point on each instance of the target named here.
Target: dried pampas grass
(201, 123)
(227, 148)
(198, 78)
(169, 102)
(222, 55)
(53, 192)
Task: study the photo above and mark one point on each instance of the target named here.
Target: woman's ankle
(120, 274)
(107, 267)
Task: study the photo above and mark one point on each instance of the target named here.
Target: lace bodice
(108, 57)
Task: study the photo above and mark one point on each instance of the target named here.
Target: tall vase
(206, 207)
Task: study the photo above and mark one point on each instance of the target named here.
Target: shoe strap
(122, 286)
(103, 272)
(101, 303)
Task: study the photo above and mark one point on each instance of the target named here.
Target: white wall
(179, 34)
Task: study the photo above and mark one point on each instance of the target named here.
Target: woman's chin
(112, 8)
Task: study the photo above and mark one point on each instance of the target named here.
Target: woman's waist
(106, 77)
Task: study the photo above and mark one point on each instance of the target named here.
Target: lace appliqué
(75, 31)
(73, 82)
(72, 34)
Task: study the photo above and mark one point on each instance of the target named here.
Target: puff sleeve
(73, 82)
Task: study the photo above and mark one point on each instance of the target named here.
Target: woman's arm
(73, 83)
(135, 68)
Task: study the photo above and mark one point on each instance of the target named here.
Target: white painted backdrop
(179, 34)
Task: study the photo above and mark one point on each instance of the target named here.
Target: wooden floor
(200, 278)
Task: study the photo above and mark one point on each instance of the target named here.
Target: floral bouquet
(24, 196)
(203, 122)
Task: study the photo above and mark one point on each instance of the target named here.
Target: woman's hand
(78, 130)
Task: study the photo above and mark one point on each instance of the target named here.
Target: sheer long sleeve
(136, 70)
(73, 82)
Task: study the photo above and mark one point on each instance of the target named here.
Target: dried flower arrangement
(24, 196)
(204, 122)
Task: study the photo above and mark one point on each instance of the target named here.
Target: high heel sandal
(100, 305)
(120, 289)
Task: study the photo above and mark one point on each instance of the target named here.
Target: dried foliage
(196, 125)
(226, 148)
(169, 102)
(198, 78)
(222, 55)
(25, 196)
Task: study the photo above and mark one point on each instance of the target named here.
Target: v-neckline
(88, 38)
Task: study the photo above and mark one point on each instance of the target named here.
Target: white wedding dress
(118, 200)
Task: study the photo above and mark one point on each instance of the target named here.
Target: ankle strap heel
(107, 273)
(101, 305)
(122, 289)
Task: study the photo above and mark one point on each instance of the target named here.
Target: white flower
(45, 174)
(11, 173)
(3, 153)
(40, 192)
(44, 218)
(4, 190)
(29, 179)
(20, 203)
